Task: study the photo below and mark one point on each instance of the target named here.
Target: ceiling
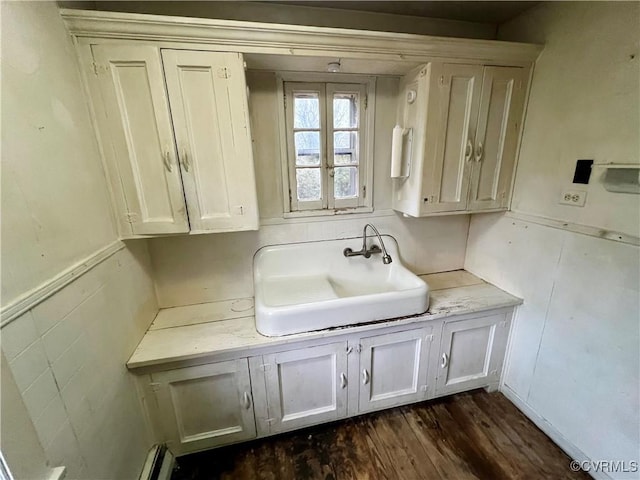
(470, 11)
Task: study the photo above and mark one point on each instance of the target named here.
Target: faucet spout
(367, 252)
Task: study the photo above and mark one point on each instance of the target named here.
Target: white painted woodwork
(306, 386)
(496, 140)
(139, 140)
(466, 134)
(205, 406)
(472, 353)
(210, 113)
(393, 368)
(448, 167)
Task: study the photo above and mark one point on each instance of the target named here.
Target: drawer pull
(365, 376)
(445, 360)
(246, 400)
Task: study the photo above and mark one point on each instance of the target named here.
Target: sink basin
(310, 286)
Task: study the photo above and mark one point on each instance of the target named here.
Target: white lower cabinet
(393, 368)
(304, 384)
(204, 406)
(302, 387)
(471, 353)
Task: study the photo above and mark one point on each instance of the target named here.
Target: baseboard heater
(159, 464)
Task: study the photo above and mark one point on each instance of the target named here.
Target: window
(328, 147)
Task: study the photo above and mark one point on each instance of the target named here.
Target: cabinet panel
(472, 353)
(393, 369)
(140, 141)
(496, 141)
(459, 88)
(306, 386)
(207, 93)
(205, 406)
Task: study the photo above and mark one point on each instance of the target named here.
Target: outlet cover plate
(573, 197)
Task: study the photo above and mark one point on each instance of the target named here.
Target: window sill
(327, 213)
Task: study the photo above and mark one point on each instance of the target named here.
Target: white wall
(574, 358)
(55, 204)
(202, 268)
(68, 399)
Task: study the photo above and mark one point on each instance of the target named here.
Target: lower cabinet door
(205, 406)
(472, 353)
(306, 386)
(394, 368)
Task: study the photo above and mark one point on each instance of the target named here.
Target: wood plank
(470, 436)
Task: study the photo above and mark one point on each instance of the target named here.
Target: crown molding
(254, 37)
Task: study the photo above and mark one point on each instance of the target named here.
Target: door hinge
(364, 191)
(284, 96)
(366, 101)
(223, 72)
(130, 217)
(290, 197)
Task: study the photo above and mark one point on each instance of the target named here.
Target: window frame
(326, 85)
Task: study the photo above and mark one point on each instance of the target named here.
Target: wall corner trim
(30, 299)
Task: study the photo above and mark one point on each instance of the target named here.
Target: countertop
(193, 331)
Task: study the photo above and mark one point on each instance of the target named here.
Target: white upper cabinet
(208, 98)
(497, 137)
(175, 131)
(139, 140)
(465, 137)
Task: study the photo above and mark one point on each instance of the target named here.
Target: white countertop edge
(320, 334)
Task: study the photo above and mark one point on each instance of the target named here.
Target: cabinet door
(497, 138)
(306, 386)
(140, 140)
(393, 368)
(472, 353)
(205, 406)
(447, 168)
(208, 97)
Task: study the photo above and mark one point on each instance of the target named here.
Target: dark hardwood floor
(475, 435)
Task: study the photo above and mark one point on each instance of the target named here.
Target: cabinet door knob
(246, 400)
(365, 376)
(185, 160)
(343, 380)
(166, 160)
(445, 360)
(479, 152)
(468, 151)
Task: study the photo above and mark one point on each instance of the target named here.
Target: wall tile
(40, 393)
(18, 335)
(29, 365)
(51, 421)
(70, 361)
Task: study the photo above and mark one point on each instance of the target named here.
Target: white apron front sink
(312, 286)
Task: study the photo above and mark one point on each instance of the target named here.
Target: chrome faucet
(386, 258)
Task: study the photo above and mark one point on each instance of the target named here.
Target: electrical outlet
(573, 197)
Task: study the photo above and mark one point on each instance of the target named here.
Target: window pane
(306, 110)
(307, 148)
(308, 180)
(345, 110)
(345, 182)
(345, 148)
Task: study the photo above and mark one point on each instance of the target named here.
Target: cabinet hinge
(423, 388)
(269, 421)
(265, 366)
(503, 323)
(130, 217)
(154, 386)
(223, 72)
(364, 191)
(429, 338)
(358, 348)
